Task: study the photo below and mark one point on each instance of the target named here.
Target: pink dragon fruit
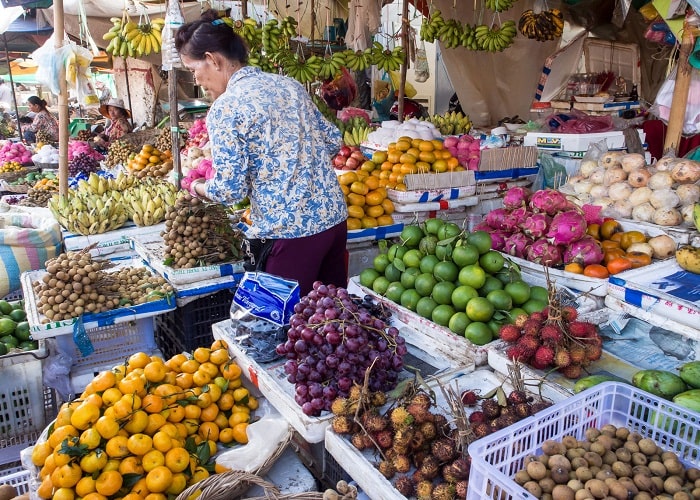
(495, 218)
(567, 227)
(516, 197)
(483, 226)
(498, 239)
(515, 219)
(536, 225)
(517, 244)
(545, 253)
(585, 251)
(549, 201)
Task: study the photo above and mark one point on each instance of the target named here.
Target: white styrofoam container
(361, 256)
(150, 248)
(41, 330)
(272, 383)
(663, 288)
(681, 235)
(552, 141)
(111, 242)
(443, 204)
(432, 195)
(457, 215)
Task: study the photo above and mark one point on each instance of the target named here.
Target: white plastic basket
(497, 457)
(16, 477)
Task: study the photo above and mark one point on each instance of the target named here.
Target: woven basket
(17, 188)
(16, 174)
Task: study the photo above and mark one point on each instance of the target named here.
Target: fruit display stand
(456, 215)
(150, 248)
(110, 244)
(496, 458)
(271, 381)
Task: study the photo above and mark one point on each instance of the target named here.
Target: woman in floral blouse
(270, 143)
(43, 121)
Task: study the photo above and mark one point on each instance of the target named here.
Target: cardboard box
(614, 139)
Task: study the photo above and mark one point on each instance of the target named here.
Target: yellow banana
(689, 258)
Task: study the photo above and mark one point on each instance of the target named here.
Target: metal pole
(404, 66)
(63, 116)
(174, 123)
(12, 85)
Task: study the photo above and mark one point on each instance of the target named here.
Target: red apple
(352, 162)
(339, 161)
(345, 151)
(357, 154)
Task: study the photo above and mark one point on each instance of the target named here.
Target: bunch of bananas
(357, 134)
(99, 185)
(305, 70)
(288, 27)
(134, 39)
(115, 37)
(450, 33)
(495, 39)
(148, 200)
(499, 5)
(262, 61)
(331, 65)
(547, 25)
(250, 30)
(431, 25)
(271, 36)
(86, 213)
(385, 59)
(451, 123)
(328, 113)
(358, 60)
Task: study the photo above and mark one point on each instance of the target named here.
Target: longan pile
(118, 153)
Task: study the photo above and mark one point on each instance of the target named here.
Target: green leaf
(383, 246)
(71, 450)
(501, 397)
(398, 264)
(490, 394)
(203, 452)
(130, 479)
(169, 261)
(190, 445)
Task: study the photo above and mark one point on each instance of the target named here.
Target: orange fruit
(162, 441)
(190, 366)
(85, 486)
(159, 479)
(104, 380)
(177, 459)
(108, 483)
(596, 271)
(209, 413)
(175, 362)
(201, 378)
(201, 354)
(177, 484)
(175, 414)
(140, 488)
(61, 433)
(94, 496)
(111, 396)
(155, 422)
(152, 459)
(138, 360)
(619, 264)
(63, 494)
(574, 267)
(45, 489)
(219, 356)
(66, 476)
(208, 430)
(85, 415)
(94, 461)
(152, 403)
(117, 447)
(41, 451)
(155, 371)
(138, 421)
(239, 433)
(139, 444)
(131, 465)
(91, 438)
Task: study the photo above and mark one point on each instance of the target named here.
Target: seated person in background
(43, 122)
(119, 118)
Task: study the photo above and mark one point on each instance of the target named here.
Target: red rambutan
(569, 313)
(562, 358)
(529, 344)
(544, 356)
(593, 352)
(572, 371)
(516, 352)
(577, 353)
(476, 416)
(537, 316)
(551, 334)
(520, 320)
(578, 329)
(532, 327)
(509, 333)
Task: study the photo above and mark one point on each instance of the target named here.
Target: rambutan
(400, 418)
(593, 352)
(578, 329)
(577, 353)
(551, 334)
(571, 371)
(469, 398)
(592, 329)
(562, 359)
(532, 327)
(516, 397)
(529, 344)
(537, 316)
(520, 320)
(384, 439)
(419, 413)
(509, 333)
(422, 399)
(569, 313)
(476, 417)
(544, 355)
(515, 352)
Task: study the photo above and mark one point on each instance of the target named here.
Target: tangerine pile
(368, 205)
(145, 429)
(416, 156)
(150, 161)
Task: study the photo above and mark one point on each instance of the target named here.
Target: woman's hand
(197, 188)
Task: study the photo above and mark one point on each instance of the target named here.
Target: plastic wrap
(340, 91)
(664, 98)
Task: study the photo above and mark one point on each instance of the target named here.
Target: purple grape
(344, 384)
(331, 313)
(303, 369)
(300, 346)
(281, 349)
(298, 309)
(327, 302)
(344, 368)
(292, 379)
(308, 409)
(301, 390)
(326, 349)
(334, 338)
(318, 404)
(290, 367)
(314, 376)
(315, 390)
(318, 340)
(353, 345)
(330, 393)
(316, 318)
(332, 361)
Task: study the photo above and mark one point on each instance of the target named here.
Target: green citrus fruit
(380, 285)
(500, 299)
(465, 255)
(481, 240)
(445, 271)
(448, 230)
(478, 333)
(480, 309)
(424, 284)
(5, 307)
(442, 292)
(367, 277)
(490, 285)
(412, 258)
(432, 226)
(495, 327)
(29, 345)
(514, 313)
(396, 251)
(394, 291)
(458, 323)
(534, 305)
(519, 291)
(444, 251)
(492, 261)
(462, 295)
(22, 331)
(425, 306)
(427, 263)
(472, 275)
(539, 293)
(3, 349)
(442, 314)
(9, 340)
(411, 236)
(409, 299)
(380, 262)
(18, 315)
(392, 273)
(408, 277)
(427, 244)
(507, 275)
(7, 326)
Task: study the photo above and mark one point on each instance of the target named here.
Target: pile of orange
(617, 256)
(150, 161)
(146, 429)
(368, 205)
(417, 156)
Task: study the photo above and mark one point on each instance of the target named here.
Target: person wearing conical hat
(118, 115)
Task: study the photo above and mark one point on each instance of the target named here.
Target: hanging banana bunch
(450, 33)
(499, 5)
(331, 64)
(305, 70)
(495, 38)
(251, 32)
(271, 36)
(544, 26)
(358, 60)
(430, 27)
(288, 27)
(115, 38)
(145, 37)
(261, 61)
(385, 59)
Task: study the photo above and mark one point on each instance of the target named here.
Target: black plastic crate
(332, 471)
(189, 326)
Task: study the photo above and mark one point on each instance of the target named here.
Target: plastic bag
(553, 173)
(422, 69)
(408, 89)
(664, 98)
(595, 151)
(260, 311)
(340, 91)
(346, 114)
(49, 61)
(576, 122)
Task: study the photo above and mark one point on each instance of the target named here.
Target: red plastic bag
(576, 122)
(340, 91)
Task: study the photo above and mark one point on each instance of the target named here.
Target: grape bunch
(332, 342)
(82, 162)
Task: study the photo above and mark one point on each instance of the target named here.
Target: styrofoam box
(432, 336)
(432, 195)
(468, 201)
(375, 233)
(362, 465)
(110, 242)
(40, 330)
(681, 235)
(663, 288)
(271, 380)
(614, 139)
(497, 457)
(150, 248)
(360, 256)
(457, 215)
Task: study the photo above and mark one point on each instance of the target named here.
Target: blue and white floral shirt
(270, 142)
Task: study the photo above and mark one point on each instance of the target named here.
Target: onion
(640, 195)
(619, 191)
(613, 175)
(660, 180)
(610, 159)
(667, 217)
(639, 177)
(583, 187)
(643, 212)
(664, 246)
(598, 176)
(665, 163)
(598, 191)
(688, 193)
(686, 172)
(687, 214)
(664, 198)
(632, 161)
(587, 168)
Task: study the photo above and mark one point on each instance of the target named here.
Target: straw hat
(117, 103)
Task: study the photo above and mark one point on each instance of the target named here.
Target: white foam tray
(111, 242)
(375, 233)
(468, 201)
(271, 380)
(431, 195)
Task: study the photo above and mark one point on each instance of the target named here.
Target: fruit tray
(431, 195)
(663, 288)
(457, 215)
(41, 330)
(18, 478)
(496, 457)
(362, 465)
(271, 381)
(375, 233)
(432, 336)
(150, 248)
(111, 242)
(184, 294)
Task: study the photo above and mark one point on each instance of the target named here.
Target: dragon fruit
(567, 227)
(515, 219)
(498, 239)
(517, 244)
(545, 253)
(549, 201)
(495, 218)
(483, 226)
(585, 251)
(516, 197)
(536, 225)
